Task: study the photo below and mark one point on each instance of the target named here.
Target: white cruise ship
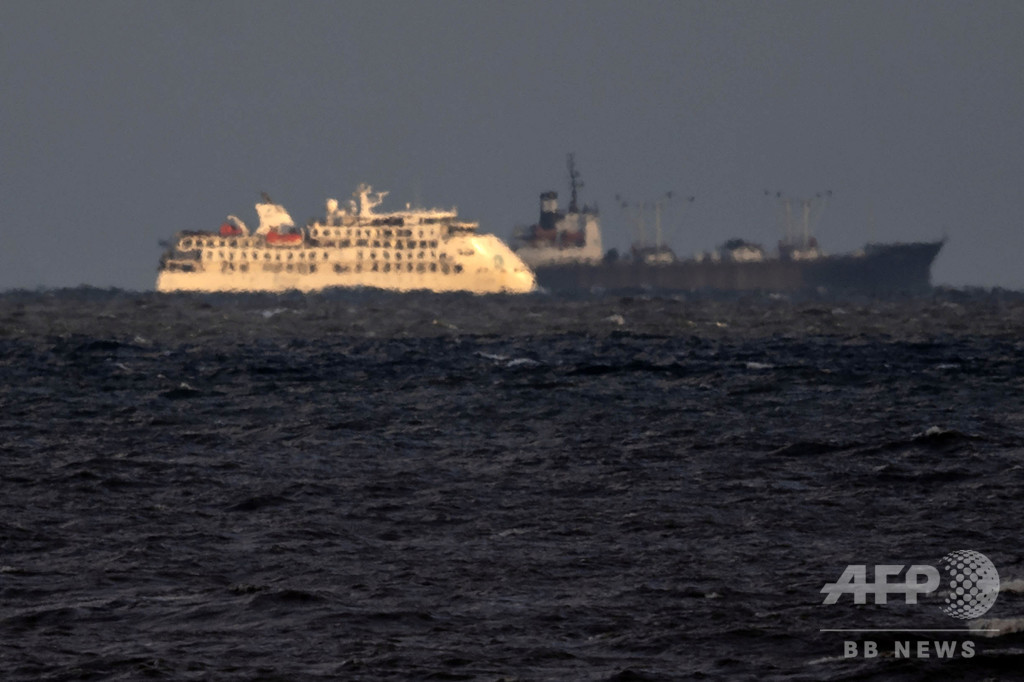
(352, 246)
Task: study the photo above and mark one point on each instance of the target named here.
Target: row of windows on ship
(189, 243)
(394, 220)
(334, 228)
(305, 268)
(311, 256)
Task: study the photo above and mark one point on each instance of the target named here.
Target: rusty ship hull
(879, 269)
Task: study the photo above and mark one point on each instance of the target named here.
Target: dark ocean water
(372, 486)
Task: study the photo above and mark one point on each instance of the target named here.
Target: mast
(799, 229)
(635, 213)
(574, 184)
(657, 225)
(659, 241)
(789, 222)
(641, 225)
(807, 222)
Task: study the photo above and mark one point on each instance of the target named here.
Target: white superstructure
(561, 238)
(355, 246)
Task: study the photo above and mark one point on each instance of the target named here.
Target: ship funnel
(549, 210)
(549, 202)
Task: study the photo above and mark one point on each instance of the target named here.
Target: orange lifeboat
(229, 230)
(278, 239)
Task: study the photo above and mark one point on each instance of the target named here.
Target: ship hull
(880, 269)
(275, 282)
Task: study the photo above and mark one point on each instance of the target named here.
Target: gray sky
(123, 122)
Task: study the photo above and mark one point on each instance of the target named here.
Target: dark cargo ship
(564, 250)
(878, 269)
